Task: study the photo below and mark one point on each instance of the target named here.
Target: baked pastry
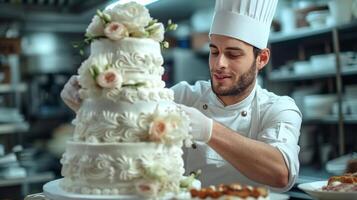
(234, 191)
(346, 178)
(343, 183)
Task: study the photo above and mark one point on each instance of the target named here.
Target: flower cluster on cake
(128, 132)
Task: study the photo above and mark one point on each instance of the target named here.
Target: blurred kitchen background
(314, 60)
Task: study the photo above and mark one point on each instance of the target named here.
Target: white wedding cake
(128, 134)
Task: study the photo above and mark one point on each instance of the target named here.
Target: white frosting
(115, 168)
(146, 94)
(139, 45)
(335, 183)
(138, 60)
(113, 151)
(103, 121)
(128, 132)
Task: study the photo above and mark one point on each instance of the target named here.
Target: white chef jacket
(262, 116)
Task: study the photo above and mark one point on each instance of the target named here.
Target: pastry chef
(243, 133)
(247, 134)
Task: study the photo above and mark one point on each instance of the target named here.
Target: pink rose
(115, 31)
(109, 79)
(147, 188)
(158, 128)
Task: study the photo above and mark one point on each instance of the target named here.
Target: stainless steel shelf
(350, 119)
(301, 39)
(301, 77)
(34, 178)
(12, 128)
(308, 32)
(332, 119)
(349, 70)
(4, 88)
(321, 120)
(297, 34)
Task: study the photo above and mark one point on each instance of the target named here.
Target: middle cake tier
(101, 120)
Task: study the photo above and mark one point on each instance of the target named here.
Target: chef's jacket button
(244, 113)
(204, 106)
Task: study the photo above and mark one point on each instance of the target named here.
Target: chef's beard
(243, 83)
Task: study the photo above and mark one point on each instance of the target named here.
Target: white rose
(96, 27)
(85, 79)
(132, 14)
(115, 31)
(89, 85)
(157, 31)
(109, 79)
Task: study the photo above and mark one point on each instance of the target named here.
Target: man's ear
(263, 58)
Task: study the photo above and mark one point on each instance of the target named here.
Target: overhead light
(142, 2)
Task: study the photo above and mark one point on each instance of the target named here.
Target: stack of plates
(9, 167)
(10, 115)
(315, 106)
(338, 165)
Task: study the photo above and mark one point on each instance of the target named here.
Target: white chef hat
(246, 20)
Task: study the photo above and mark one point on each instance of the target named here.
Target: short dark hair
(256, 51)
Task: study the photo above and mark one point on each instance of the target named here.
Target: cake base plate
(53, 191)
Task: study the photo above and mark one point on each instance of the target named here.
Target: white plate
(314, 190)
(278, 196)
(52, 191)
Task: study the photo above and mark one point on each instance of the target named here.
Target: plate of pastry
(342, 187)
(235, 191)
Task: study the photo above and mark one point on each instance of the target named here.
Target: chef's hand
(200, 124)
(70, 93)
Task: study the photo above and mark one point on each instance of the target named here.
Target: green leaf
(91, 71)
(187, 182)
(197, 173)
(106, 18)
(153, 21)
(165, 44)
(139, 84)
(136, 85)
(94, 71)
(99, 13)
(156, 173)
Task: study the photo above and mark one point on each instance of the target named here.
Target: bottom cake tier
(146, 169)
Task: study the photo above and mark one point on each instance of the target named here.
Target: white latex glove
(201, 124)
(70, 93)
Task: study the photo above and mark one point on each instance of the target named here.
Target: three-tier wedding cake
(128, 132)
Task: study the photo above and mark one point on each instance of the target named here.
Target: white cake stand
(53, 191)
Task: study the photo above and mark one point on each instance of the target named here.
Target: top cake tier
(116, 67)
(125, 54)
(143, 46)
